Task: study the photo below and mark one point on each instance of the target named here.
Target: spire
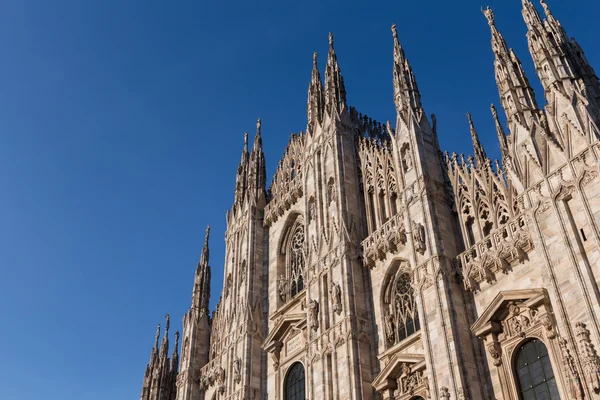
(559, 61)
(500, 133)
(257, 172)
(316, 99)
(241, 180)
(516, 94)
(257, 137)
(175, 355)
(406, 92)
(480, 156)
(335, 91)
(157, 337)
(164, 346)
(201, 294)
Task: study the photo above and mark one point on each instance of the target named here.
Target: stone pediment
(489, 320)
(394, 369)
(283, 324)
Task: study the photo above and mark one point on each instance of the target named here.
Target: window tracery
(401, 319)
(296, 260)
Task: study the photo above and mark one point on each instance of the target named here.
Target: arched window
(294, 383)
(407, 320)
(535, 378)
(401, 316)
(296, 259)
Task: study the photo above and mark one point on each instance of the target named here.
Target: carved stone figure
(282, 287)
(444, 393)
(495, 351)
(313, 314)
(419, 237)
(336, 298)
(237, 370)
(389, 328)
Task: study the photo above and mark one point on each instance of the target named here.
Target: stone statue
(282, 287)
(313, 314)
(336, 298)
(419, 237)
(389, 327)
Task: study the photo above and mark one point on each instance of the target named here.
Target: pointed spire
(516, 94)
(480, 156)
(157, 336)
(406, 92)
(164, 346)
(257, 138)
(500, 133)
(316, 100)
(559, 61)
(335, 91)
(201, 294)
(175, 355)
(205, 253)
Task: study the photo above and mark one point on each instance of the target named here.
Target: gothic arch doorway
(294, 386)
(535, 377)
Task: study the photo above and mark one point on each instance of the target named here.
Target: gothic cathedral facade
(377, 267)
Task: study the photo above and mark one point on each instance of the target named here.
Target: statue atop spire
(489, 14)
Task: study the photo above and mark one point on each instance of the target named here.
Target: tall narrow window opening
(294, 387)
(535, 377)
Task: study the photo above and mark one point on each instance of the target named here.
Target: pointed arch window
(402, 319)
(294, 388)
(535, 377)
(296, 259)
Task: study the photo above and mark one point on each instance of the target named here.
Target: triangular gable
(488, 320)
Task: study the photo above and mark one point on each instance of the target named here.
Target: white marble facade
(376, 267)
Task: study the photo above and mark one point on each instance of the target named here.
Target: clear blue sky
(121, 125)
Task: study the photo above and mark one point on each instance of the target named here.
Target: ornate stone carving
(575, 386)
(444, 393)
(518, 321)
(336, 298)
(419, 237)
(495, 351)
(388, 238)
(313, 314)
(589, 357)
(237, 370)
(282, 285)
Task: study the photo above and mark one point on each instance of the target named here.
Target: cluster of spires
(161, 371)
(546, 39)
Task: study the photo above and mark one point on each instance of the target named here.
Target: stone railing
(506, 245)
(283, 200)
(384, 240)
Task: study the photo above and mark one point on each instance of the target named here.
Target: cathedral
(376, 266)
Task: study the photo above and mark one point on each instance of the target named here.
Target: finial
(470, 121)
(315, 58)
(390, 129)
(167, 324)
(331, 40)
(176, 337)
(546, 8)
(258, 124)
(246, 139)
(394, 32)
(207, 234)
(494, 111)
(489, 14)
(157, 336)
